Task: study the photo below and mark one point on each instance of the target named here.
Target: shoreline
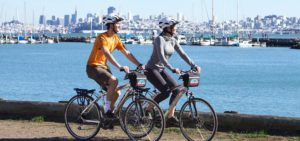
(228, 122)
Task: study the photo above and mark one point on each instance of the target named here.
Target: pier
(272, 42)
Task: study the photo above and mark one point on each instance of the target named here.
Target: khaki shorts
(99, 74)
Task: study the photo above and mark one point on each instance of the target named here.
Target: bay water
(262, 81)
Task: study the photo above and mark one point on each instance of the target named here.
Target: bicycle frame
(128, 91)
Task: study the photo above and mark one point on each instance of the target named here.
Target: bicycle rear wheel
(198, 121)
(141, 122)
(82, 126)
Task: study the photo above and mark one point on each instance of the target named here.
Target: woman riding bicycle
(164, 46)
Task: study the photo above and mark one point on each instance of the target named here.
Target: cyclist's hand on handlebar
(177, 71)
(141, 67)
(198, 69)
(125, 69)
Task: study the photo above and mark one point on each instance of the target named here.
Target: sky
(196, 10)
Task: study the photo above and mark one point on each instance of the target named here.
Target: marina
(255, 42)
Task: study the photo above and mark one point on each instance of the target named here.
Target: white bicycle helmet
(166, 22)
(111, 18)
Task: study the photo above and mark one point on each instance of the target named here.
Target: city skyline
(196, 10)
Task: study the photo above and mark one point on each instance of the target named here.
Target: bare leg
(179, 91)
(111, 91)
(115, 98)
(171, 112)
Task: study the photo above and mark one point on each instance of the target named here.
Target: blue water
(264, 81)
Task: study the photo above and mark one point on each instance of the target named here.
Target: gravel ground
(20, 130)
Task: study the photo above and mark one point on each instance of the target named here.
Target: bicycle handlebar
(183, 72)
(131, 71)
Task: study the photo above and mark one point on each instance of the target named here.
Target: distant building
(129, 16)
(97, 19)
(53, 18)
(67, 20)
(136, 17)
(42, 19)
(111, 10)
(60, 21)
(80, 20)
(179, 16)
(51, 22)
(89, 17)
(74, 17)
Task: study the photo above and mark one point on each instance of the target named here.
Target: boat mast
(212, 18)
(24, 20)
(237, 20)
(91, 29)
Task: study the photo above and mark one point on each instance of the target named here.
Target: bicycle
(84, 117)
(197, 118)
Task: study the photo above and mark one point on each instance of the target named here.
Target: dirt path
(49, 131)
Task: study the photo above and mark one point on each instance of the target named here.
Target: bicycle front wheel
(82, 125)
(142, 122)
(123, 106)
(198, 120)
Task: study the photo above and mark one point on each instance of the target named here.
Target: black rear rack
(84, 91)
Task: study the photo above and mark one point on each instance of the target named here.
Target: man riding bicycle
(97, 68)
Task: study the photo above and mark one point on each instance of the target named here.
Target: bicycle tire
(156, 117)
(205, 120)
(72, 106)
(122, 110)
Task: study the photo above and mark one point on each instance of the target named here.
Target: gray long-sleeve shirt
(164, 47)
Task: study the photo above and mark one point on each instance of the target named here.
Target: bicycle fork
(192, 107)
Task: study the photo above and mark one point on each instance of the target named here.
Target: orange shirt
(97, 57)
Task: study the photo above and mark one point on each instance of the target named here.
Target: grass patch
(297, 138)
(38, 119)
(233, 135)
(172, 130)
(294, 139)
(258, 134)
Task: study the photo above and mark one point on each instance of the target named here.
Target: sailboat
(91, 39)
(210, 41)
(10, 39)
(2, 40)
(49, 40)
(182, 39)
(31, 40)
(21, 39)
(207, 41)
(226, 40)
(242, 43)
